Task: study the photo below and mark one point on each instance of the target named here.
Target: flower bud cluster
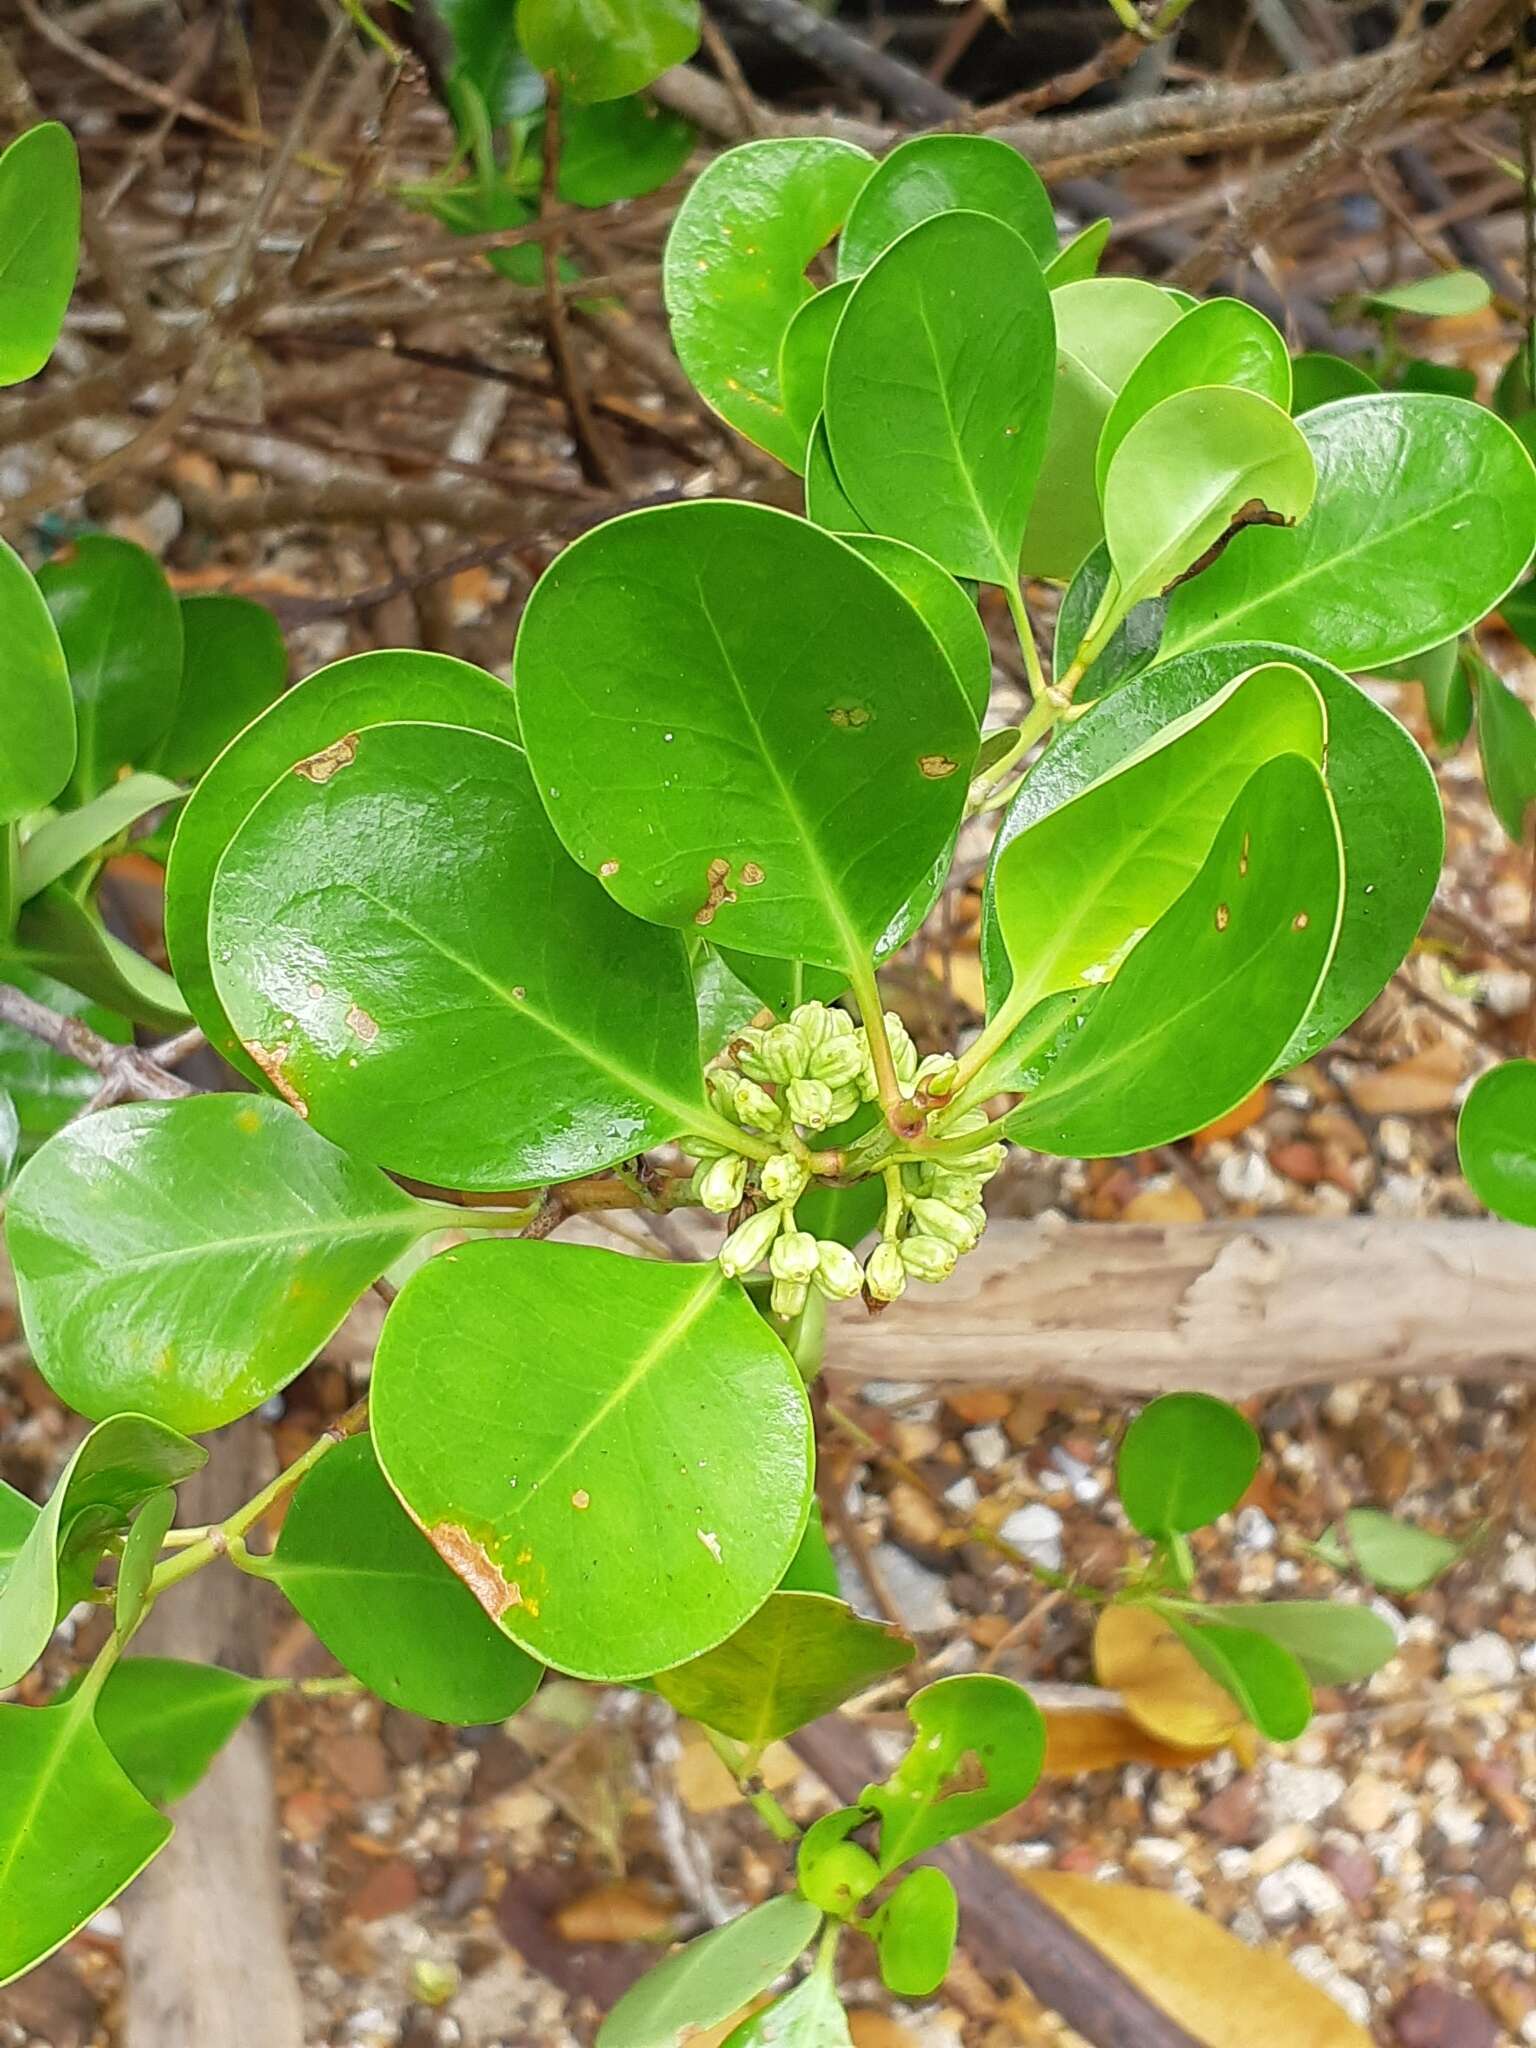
(937, 1218)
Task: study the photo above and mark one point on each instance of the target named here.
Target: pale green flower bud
(985, 1160)
(867, 1084)
(747, 1246)
(903, 1051)
(845, 1101)
(794, 1256)
(950, 1185)
(784, 1177)
(720, 1085)
(928, 1258)
(968, 1120)
(885, 1277)
(976, 1216)
(746, 1049)
(722, 1185)
(838, 1272)
(937, 1219)
(785, 1052)
(697, 1146)
(788, 1297)
(814, 1021)
(809, 1103)
(936, 1073)
(837, 1061)
(756, 1107)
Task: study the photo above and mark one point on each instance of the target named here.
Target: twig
(129, 1069)
(596, 463)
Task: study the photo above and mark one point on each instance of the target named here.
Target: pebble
(1036, 1530)
(1253, 1530)
(1487, 1657)
(1435, 2016)
(1369, 1804)
(920, 1596)
(1297, 1794)
(987, 1446)
(1295, 1890)
(1154, 1854)
(1318, 1967)
(1520, 1569)
(963, 1495)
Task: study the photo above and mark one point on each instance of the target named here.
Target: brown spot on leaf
(853, 715)
(1242, 858)
(248, 1122)
(581, 1498)
(717, 875)
(361, 1025)
(1254, 513)
(969, 1775)
(473, 1563)
(751, 874)
(1223, 917)
(609, 867)
(936, 766)
(329, 761)
(1300, 921)
(270, 1059)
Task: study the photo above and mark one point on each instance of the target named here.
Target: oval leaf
(1506, 739)
(66, 938)
(1391, 1554)
(39, 245)
(166, 1721)
(603, 49)
(803, 357)
(714, 1976)
(977, 1749)
(810, 2016)
(1496, 1137)
(36, 707)
(1079, 260)
(1222, 342)
(949, 614)
(63, 842)
(1138, 1654)
(1317, 379)
(1186, 1459)
(233, 665)
(1333, 1643)
(1259, 1672)
(915, 1932)
(944, 174)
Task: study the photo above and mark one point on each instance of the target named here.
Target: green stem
(1018, 611)
(826, 1950)
(866, 990)
(742, 1768)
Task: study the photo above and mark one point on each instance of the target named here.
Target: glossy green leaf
(734, 272)
(487, 61)
(188, 1258)
(1447, 294)
(166, 1721)
(48, 1087)
(1132, 646)
(67, 939)
(117, 1467)
(782, 985)
(826, 502)
(803, 359)
(939, 601)
(977, 1749)
(1079, 259)
(73, 1829)
(1072, 891)
(831, 1869)
(1451, 379)
(796, 1659)
(809, 2016)
(1506, 738)
(1335, 1644)
(723, 1000)
(319, 713)
(812, 1569)
(1232, 969)
(120, 628)
(914, 1933)
(1496, 1137)
(1445, 679)
(1104, 326)
(1259, 1672)
(1189, 471)
(1186, 1459)
(1391, 1554)
(938, 392)
(141, 1552)
(233, 665)
(63, 842)
(602, 49)
(620, 149)
(779, 707)
(1518, 611)
(363, 951)
(715, 1975)
(1318, 378)
(932, 174)
(384, 1603)
(1223, 342)
(36, 708)
(39, 245)
(1423, 518)
(613, 1453)
(17, 1515)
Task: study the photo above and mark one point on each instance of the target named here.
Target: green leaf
(1318, 378)
(950, 334)
(1079, 260)
(166, 1721)
(1073, 890)
(712, 1977)
(810, 2016)
(1518, 611)
(734, 272)
(73, 1829)
(39, 245)
(724, 1001)
(1423, 519)
(812, 1569)
(117, 1467)
(488, 63)
(1260, 1673)
(1506, 738)
(803, 358)
(1132, 646)
(1232, 969)
(48, 1087)
(392, 998)
(63, 937)
(1446, 681)
(120, 628)
(613, 1453)
(1448, 378)
(1390, 1554)
(826, 502)
(17, 1515)
(1496, 1137)
(914, 1933)
(1334, 1644)
(36, 708)
(832, 1871)
(1223, 342)
(233, 665)
(782, 985)
(1447, 294)
(1185, 1460)
(779, 706)
(1191, 470)
(384, 1603)
(141, 1552)
(1104, 326)
(933, 174)
(973, 1727)
(602, 49)
(189, 1258)
(319, 713)
(943, 606)
(796, 1659)
(621, 149)
(63, 842)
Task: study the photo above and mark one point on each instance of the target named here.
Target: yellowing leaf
(1103, 1738)
(1162, 1688)
(1224, 1993)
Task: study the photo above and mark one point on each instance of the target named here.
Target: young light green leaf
(619, 149)
(1391, 1554)
(1223, 342)
(48, 1087)
(63, 842)
(188, 1258)
(832, 1870)
(61, 936)
(939, 601)
(796, 1659)
(776, 699)
(809, 2016)
(938, 392)
(1318, 378)
(1079, 260)
(1130, 649)
(734, 272)
(73, 1829)
(119, 1465)
(932, 174)
(1186, 1459)
(1423, 518)
(120, 628)
(395, 1002)
(603, 49)
(317, 714)
(714, 1976)
(613, 1454)
(17, 1515)
(1333, 1643)
(827, 504)
(1506, 739)
(812, 1569)
(386, 1605)
(970, 1728)
(39, 245)
(1232, 968)
(233, 665)
(166, 1721)
(141, 1551)
(914, 1933)
(1197, 466)
(1259, 1672)
(1496, 1137)
(36, 708)
(803, 357)
(1446, 295)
